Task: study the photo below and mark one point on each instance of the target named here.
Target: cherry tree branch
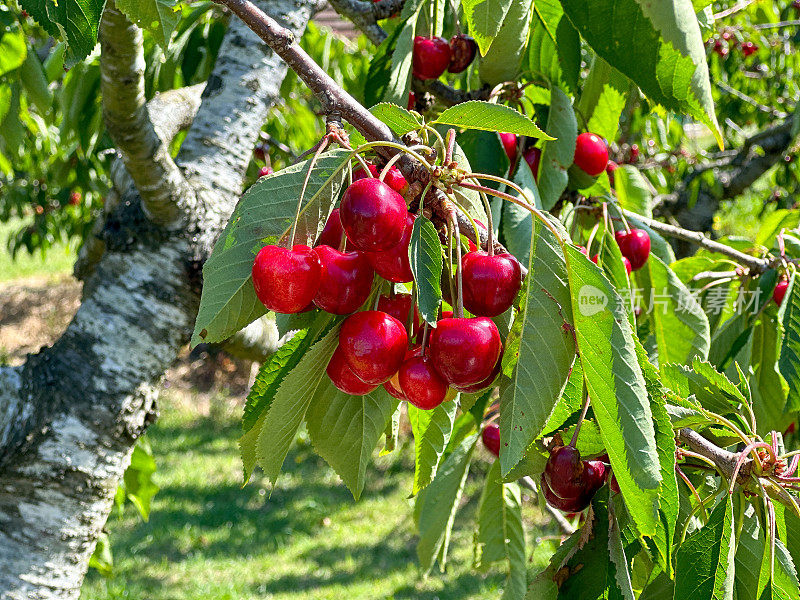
(724, 460)
(446, 94)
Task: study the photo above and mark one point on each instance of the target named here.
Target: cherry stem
(439, 138)
(342, 242)
(389, 165)
(585, 408)
(450, 262)
(425, 331)
(459, 283)
(490, 233)
(399, 147)
(592, 235)
(320, 149)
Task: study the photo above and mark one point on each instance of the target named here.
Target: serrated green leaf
(557, 155)
(431, 429)
(263, 216)
(657, 44)
(705, 561)
(425, 256)
(399, 79)
(541, 345)
(712, 389)
(490, 539)
(13, 50)
(487, 116)
(514, 534)
(789, 363)
(554, 50)
(616, 387)
(379, 72)
(603, 98)
(503, 59)
(398, 119)
(633, 190)
(159, 17)
(436, 505)
(274, 432)
(752, 555)
(77, 21)
(681, 326)
(345, 429)
(768, 387)
(517, 221)
(485, 17)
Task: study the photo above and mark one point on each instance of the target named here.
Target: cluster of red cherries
(721, 45)
(432, 56)
(370, 233)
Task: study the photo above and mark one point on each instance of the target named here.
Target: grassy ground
(210, 538)
(55, 264)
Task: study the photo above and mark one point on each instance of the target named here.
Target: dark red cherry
(412, 100)
(465, 351)
(374, 345)
(634, 153)
(394, 178)
(373, 215)
(749, 48)
(509, 141)
(399, 306)
(594, 475)
(610, 168)
(491, 438)
(332, 232)
(421, 384)
(430, 57)
(780, 291)
(490, 283)
(286, 281)
(482, 385)
(344, 378)
(564, 472)
(533, 157)
(462, 52)
(345, 282)
(613, 484)
(568, 505)
(393, 264)
(634, 245)
(591, 154)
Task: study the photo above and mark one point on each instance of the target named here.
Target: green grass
(56, 263)
(208, 537)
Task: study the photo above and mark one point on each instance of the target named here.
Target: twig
(724, 460)
(744, 97)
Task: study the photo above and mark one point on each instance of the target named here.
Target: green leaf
(486, 116)
(102, 558)
(33, 79)
(159, 17)
(767, 385)
(485, 17)
(517, 221)
(400, 75)
(137, 480)
(789, 363)
(391, 433)
(263, 216)
(345, 429)
(542, 346)
(380, 70)
(398, 119)
(436, 505)
(679, 322)
(425, 255)
(773, 223)
(603, 98)
(705, 561)
(752, 555)
(657, 44)
(268, 442)
(484, 152)
(13, 50)
(431, 429)
(633, 190)
(712, 389)
(554, 50)
(77, 21)
(503, 59)
(514, 534)
(557, 155)
(616, 387)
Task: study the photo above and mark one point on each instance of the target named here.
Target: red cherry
(412, 100)
(625, 262)
(584, 250)
(260, 153)
(430, 57)
(394, 178)
(482, 385)
(635, 246)
(399, 306)
(509, 141)
(374, 345)
(564, 472)
(533, 156)
(613, 484)
(482, 227)
(749, 48)
(393, 387)
(610, 168)
(373, 215)
(568, 505)
(421, 384)
(286, 281)
(345, 282)
(490, 282)
(465, 351)
(75, 198)
(332, 232)
(344, 378)
(393, 264)
(264, 171)
(780, 291)
(594, 475)
(591, 154)
(491, 438)
(462, 52)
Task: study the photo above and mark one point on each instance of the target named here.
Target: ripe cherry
(392, 387)
(610, 168)
(634, 153)
(625, 262)
(533, 157)
(465, 351)
(482, 385)
(286, 281)
(412, 101)
(509, 141)
(430, 57)
(332, 232)
(345, 282)
(780, 291)
(393, 264)
(75, 198)
(470, 243)
(749, 48)
(374, 345)
(634, 245)
(490, 282)
(399, 307)
(591, 154)
(568, 505)
(613, 484)
(491, 438)
(264, 171)
(373, 215)
(462, 52)
(344, 378)
(564, 472)
(421, 384)
(394, 178)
